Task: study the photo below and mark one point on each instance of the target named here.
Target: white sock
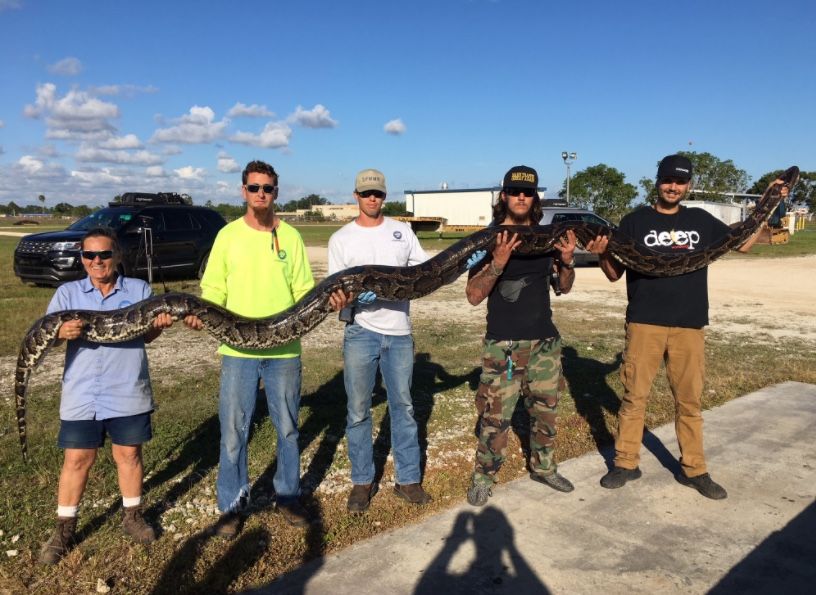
(131, 502)
(67, 511)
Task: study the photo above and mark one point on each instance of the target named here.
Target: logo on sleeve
(397, 235)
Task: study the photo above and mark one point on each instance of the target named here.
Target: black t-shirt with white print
(670, 301)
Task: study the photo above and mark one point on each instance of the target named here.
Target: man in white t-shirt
(378, 333)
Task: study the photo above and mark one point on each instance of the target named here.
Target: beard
(519, 219)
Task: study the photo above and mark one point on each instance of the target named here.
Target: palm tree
(41, 198)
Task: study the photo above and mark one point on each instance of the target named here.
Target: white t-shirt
(391, 243)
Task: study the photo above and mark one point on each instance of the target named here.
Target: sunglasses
(267, 188)
(515, 191)
(92, 254)
(374, 193)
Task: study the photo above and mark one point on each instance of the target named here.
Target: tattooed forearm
(481, 284)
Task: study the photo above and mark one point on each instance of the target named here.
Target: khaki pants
(682, 349)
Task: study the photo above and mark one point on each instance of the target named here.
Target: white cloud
(317, 117)
(191, 173)
(122, 90)
(66, 67)
(97, 178)
(33, 167)
(395, 127)
(10, 5)
(171, 150)
(155, 171)
(249, 111)
(30, 165)
(227, 164)
(96, 154)
(48, 151)
(197, 127)
(129, 141)
(273, 136)
(77, 115)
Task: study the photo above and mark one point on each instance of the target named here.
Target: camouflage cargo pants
(536, 377)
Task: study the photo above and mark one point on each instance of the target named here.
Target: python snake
(389, 283)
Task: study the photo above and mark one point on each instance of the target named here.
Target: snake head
(790, 177)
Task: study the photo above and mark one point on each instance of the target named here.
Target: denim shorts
(90, 433)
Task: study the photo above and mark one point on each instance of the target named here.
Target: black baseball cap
(521, 176)
(674, 166)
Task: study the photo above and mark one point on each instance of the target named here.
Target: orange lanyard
(278, 251)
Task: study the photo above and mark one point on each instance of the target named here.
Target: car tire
(203, 265)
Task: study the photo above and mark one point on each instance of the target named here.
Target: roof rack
(148, 198)
(554, 202)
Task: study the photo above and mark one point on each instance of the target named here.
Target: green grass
(801, 243)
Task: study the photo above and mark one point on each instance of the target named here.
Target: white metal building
(457, 206)
(728, 213)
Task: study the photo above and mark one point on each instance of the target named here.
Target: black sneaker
(703, 484)
(478, 493)
(619, 476)
(555, 480)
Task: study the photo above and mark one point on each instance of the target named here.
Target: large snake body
(389, 283)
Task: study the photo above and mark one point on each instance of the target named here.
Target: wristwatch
(568, 265)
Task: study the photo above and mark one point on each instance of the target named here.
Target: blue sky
(100, 98)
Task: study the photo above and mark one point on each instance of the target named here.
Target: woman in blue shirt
(105, 391)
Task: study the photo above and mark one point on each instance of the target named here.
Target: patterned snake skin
(389, 283)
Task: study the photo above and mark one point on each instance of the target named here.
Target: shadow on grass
(178, 576)
(429, 379)
(593, 397)
(326, 422)
(199, 450)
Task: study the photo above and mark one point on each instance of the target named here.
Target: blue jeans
(239, 393)
(363, 351)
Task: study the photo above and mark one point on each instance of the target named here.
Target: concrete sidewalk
(652, 535)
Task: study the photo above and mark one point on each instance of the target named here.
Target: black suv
(175, 237)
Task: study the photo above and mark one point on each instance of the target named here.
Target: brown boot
(63, 538)
(133, 524)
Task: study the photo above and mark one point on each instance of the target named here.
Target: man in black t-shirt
(522, 348)
(664, 322)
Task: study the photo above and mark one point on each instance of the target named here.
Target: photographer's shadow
(498, 566)
(593, 397)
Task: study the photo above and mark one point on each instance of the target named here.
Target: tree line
(228, 211)
(604, 190)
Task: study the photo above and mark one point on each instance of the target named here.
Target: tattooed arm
(481, 284)
(566, 263)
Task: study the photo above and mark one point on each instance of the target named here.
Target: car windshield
(113, 218)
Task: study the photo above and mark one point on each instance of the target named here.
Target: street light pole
(568, 159)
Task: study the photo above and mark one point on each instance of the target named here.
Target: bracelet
(493, 270)
(568, 265)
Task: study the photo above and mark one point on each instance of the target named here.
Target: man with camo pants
(522, 348)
